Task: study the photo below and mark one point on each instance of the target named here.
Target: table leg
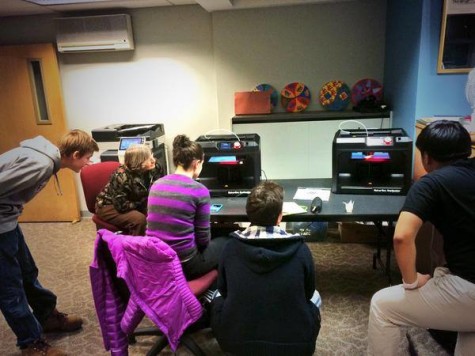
(384, 236)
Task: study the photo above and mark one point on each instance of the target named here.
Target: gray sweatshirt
(24, 171)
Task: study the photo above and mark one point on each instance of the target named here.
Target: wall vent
(94, 33)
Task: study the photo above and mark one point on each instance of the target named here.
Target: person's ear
(428, 162)
(76, 155)
(197, 163)
(279, 218)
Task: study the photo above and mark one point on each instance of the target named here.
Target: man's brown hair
(265, 203)
(77, 140)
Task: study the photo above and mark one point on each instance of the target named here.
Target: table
(367, 208)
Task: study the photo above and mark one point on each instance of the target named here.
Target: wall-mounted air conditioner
(94, 33)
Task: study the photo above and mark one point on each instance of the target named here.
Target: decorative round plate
(365, 88)
(335, 95)
(274, 96)
(295, 97)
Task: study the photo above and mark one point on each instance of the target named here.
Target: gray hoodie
(24, 171)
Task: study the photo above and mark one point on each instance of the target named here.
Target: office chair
(197, 286)
(155, 286)
(93, 179)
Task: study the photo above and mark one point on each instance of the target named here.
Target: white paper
(310, 193)
(292, 208)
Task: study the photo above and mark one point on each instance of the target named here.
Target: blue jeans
(20, 289)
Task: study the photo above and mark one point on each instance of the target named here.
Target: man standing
(24, 171)
(445, 197)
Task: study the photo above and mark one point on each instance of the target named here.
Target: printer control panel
(235, 145)
(380, 141)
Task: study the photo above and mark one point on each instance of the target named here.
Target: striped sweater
(179, 214)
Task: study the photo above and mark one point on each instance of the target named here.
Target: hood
(263, 249)
(42, 145)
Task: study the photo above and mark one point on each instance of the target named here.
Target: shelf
(308, 116)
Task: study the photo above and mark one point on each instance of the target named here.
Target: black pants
(206, 260)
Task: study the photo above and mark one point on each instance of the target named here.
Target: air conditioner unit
(94, 33)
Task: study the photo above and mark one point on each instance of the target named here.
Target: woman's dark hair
(186, 151)
(444, 141)
(264, 204)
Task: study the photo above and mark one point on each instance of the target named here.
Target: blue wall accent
(412, 86)
(437, 94)
(402, 60)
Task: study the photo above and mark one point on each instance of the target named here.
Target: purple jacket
(158, 289)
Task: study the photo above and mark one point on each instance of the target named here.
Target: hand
(422, 279)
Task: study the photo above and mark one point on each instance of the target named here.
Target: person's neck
(180, 170)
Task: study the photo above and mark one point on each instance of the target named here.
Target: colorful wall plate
(335, 95)
(274, 95)
(365, 88)
(295, 97)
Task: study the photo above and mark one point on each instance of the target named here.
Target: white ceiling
(24, 7)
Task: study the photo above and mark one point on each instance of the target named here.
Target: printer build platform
(372, 161)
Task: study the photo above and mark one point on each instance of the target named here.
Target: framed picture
(457, 37)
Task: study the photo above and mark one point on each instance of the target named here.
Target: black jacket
(266, 286)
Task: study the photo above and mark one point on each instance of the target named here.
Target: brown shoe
(41, 348)
(60, 322)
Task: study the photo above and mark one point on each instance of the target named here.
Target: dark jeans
(206, 260)
(20, 289)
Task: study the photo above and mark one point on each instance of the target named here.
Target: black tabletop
(366, 207)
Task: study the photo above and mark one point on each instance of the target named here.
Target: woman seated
(123, 201)
(179, 211)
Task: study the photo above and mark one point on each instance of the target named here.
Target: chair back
(94, 178)
(166, 298)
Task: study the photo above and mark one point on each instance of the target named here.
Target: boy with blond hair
(24, 171)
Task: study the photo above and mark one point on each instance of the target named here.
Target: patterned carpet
(345, 279)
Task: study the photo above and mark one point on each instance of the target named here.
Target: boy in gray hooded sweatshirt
(24, 171)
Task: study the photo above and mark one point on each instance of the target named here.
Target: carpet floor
(346, 281)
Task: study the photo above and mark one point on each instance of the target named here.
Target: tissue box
(252, 102)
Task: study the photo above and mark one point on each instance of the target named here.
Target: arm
(202, 223)
(120, 192)
(405, 234)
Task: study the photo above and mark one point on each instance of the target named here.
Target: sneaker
(60, 322)
(41, 348)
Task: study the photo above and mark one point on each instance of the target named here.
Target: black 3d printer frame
(232, 164)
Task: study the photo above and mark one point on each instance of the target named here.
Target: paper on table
(310, 193)
(292, 208)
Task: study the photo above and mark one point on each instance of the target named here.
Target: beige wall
(312, 44)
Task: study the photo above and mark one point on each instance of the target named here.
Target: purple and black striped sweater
(179, 214)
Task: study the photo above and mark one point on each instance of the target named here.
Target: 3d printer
(373, 161)
(232, 164)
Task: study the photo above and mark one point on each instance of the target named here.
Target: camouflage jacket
(128, 190)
